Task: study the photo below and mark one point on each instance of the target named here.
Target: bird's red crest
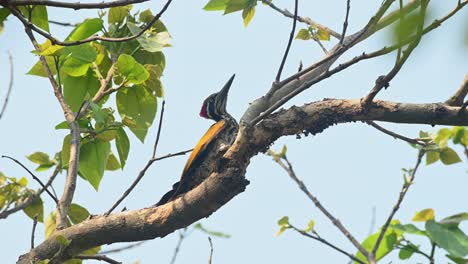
(204, 110)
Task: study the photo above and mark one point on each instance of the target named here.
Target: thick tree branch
(221, 186)
(75, 5)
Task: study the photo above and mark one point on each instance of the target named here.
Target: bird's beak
(224, 92)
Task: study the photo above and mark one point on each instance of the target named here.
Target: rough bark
(229, 181)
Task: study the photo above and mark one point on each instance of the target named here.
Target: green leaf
(76, 89)
(83, 52)
(86, 29)
(153, 83)
(39, 17)
(139, 105)
(23, 182)
(98, 114)
(93, 161)
(448, 156)
(282, 154)
(50, 224)
(450, 238)
(47, 49)
(234, 6)
(82, 123)
(443, 136)
(123, 145)
(39, 70)
(281, 230)
(77, 213)
(283, 221)
(216, 5)
(75, 67)
(118, 14)
(389, 240)
(155, 58)
(40, 158)
(36, 208)
(4, 13)
(407, 251)
(458, 135)
(409, 229)
(457, 260)
(432, 157)
(146, 16)
(112, 163)
(150, 41)
(304, 34)
(323, 34)
(454, 219)
(249, 13)
(424, 215)
(133, 71)
(310, 226)
(62, 240)
(200, 227)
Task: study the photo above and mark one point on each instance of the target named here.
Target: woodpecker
(221, 134)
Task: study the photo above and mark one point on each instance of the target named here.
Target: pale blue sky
(351, 168)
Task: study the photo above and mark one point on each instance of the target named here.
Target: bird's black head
(214, 107)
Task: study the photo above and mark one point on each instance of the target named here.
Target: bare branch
(182, 235)
(288, 47)
(210, 258)
(33, 176)
(33, 232)
(10, 86)
(459, 96)
(337, 223)
(117, 250)
(99, 258)
(64, 24)
(143, 171)
(76, 5)
(345, 23)
(4, 214)
(395, 135)
(305, 20)
(403, 192)
(325, 242)
(56, 41)
(180, 153)
(70, 183)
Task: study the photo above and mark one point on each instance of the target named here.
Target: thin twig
(4, 214)
(210, 258)
(75, 5)
(305, 20)
(325, 242)
(64, 24)
(289, 169)
(384, 81)
(345, 23)
(33, 232)
(459, 96)
(395, 135)
(33, 176)
(182, 236)
(10, 86)
(99, 258)
(143, 171)
(431, 257)
(288, 47)
(180, 153)
(56, 41)
(156, 142)
(403, 192)
(117, 250)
